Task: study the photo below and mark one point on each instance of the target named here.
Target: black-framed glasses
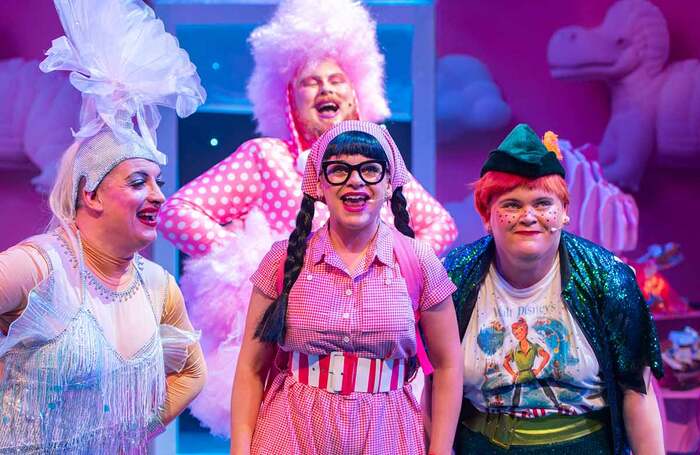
(338, 172)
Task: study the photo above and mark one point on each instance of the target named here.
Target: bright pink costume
(227, 219)
(368, 313)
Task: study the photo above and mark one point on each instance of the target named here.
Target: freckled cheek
(506, 219)
(550, 217)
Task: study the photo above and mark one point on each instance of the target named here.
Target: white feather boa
(217, 290)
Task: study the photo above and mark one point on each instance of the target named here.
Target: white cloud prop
(468, 100)
(36, 117)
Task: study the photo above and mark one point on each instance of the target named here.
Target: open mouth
(149, 217)
(354, 202)
(327, 109)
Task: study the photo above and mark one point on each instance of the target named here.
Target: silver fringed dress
(63, 387)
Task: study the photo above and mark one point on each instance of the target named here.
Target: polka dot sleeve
(429, 219)
(193, 218)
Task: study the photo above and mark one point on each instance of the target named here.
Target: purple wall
(24, 211)
(511, 37)
(26, 30)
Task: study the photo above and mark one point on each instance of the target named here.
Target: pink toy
(599, 211)
(655, 107)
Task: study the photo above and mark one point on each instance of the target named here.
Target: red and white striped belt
(345, 372)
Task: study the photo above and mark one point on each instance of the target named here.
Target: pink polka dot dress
(226, 220)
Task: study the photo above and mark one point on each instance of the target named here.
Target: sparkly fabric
(65, 388)
(100, 154)
(601, 293)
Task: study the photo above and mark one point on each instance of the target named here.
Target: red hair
(520, 322)
(494, 184)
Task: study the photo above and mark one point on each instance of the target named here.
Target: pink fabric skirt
(299, 419)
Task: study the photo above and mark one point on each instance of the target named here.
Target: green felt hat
(522, 152)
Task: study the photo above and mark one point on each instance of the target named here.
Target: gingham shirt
(368, 312)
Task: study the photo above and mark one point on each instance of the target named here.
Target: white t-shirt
(525, 354)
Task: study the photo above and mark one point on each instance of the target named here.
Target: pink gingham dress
(226, 220)
(369, 313)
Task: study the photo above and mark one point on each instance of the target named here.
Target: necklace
(110, 294)
(95, 283)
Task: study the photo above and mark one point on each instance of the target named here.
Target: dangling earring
(566, 219)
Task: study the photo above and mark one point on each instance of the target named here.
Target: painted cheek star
(506, 218)
(549, 218)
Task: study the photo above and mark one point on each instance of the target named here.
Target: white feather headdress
(125, 65)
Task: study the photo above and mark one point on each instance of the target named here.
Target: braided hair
(399, 209)
(272, 326)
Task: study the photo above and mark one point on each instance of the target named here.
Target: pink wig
(309, 31)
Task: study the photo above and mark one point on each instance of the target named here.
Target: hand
(155, 426)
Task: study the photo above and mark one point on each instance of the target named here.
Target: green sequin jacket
(601, 292)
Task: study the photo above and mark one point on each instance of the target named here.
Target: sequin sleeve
(193, 218)
(629, 328)
(431, 222)
(183, 385)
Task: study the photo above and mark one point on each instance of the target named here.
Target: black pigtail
(401, 217)
(272, 326)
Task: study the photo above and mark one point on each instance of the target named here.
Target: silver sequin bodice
(64, 388)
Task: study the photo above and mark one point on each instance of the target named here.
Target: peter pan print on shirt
(526, 354)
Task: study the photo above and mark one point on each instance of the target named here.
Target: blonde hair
(61, 200)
